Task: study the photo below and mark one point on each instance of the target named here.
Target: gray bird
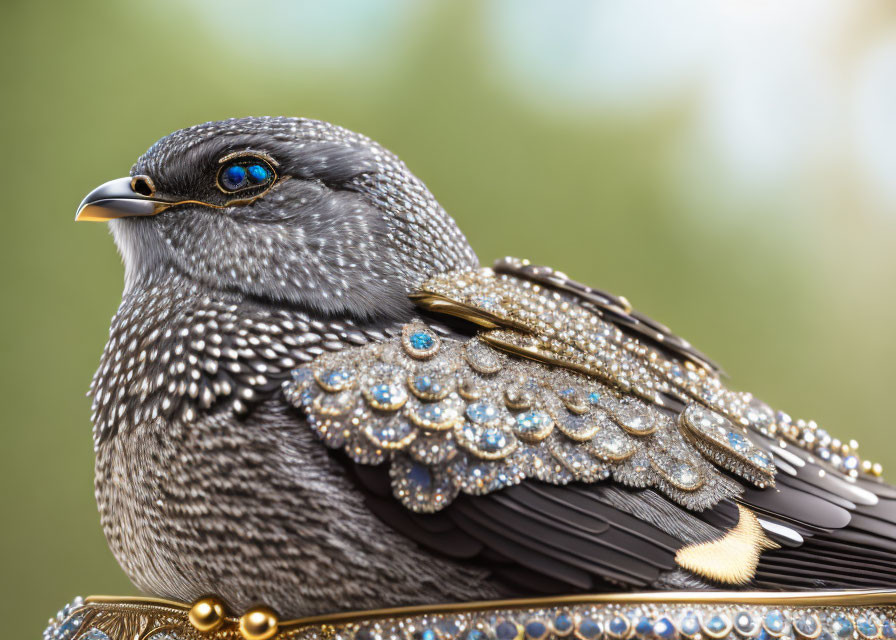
(313, 398)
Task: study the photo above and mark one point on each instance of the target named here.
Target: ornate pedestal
(846, 615)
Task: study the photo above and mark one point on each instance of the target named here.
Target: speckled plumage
(256, 510)
(209, 480)
(175, 350)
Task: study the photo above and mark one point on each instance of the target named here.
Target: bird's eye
(258, 173)
(244, 173)
(233, 177)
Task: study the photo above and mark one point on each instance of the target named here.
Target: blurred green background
(730, 167)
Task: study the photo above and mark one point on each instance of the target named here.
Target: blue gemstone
(643, 626)
(421, 341)
(842, 626)
(481, 412)
(493, 440)
(774, 622)
(427, 634)
(690, 625)
(95, 634)
(384, 393)
(888, 630)
(536, 629)
(432, 413)
(619, 626)
(664, 628)
(423, 383)
(760, 459)
(420, 476)
(738, 442)
(589, 628)
(866, 627)
(336, 377)
(850, 463)
(594, 397)
(717, 624)
(258, 173)
(392, 432)
(506, 631)
(530, 421)
(562, 623)
(806, 625)
(233, 177)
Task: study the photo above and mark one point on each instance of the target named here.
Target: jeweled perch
(863, 615)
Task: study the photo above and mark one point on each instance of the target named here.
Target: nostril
(143, 185)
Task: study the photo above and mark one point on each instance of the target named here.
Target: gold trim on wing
(733, 558)
(440, 304)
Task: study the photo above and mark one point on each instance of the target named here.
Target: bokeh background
(729, 166)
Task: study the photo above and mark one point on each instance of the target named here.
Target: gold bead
(207, 614)
(327, 631)
(258, 624)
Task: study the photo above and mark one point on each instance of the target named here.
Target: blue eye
(244, 172)
(233, 177)
(258, 173)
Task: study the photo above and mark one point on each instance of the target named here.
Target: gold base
(681, 615)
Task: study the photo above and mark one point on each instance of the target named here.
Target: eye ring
(143, 185)
(244, 172)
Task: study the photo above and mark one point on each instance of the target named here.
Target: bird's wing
(566, 385)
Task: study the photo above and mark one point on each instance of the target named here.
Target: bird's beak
(121, 198)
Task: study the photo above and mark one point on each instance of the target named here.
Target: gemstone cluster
(452, 416)
(552, 388)
(543, 315)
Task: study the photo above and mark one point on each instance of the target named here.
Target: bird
(314, 398)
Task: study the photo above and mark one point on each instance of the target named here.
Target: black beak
(121, 198)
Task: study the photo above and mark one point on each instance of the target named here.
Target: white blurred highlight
(778, 91)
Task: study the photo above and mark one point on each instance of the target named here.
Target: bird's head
(287, 211)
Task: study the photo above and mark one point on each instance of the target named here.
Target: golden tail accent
(733, 558)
